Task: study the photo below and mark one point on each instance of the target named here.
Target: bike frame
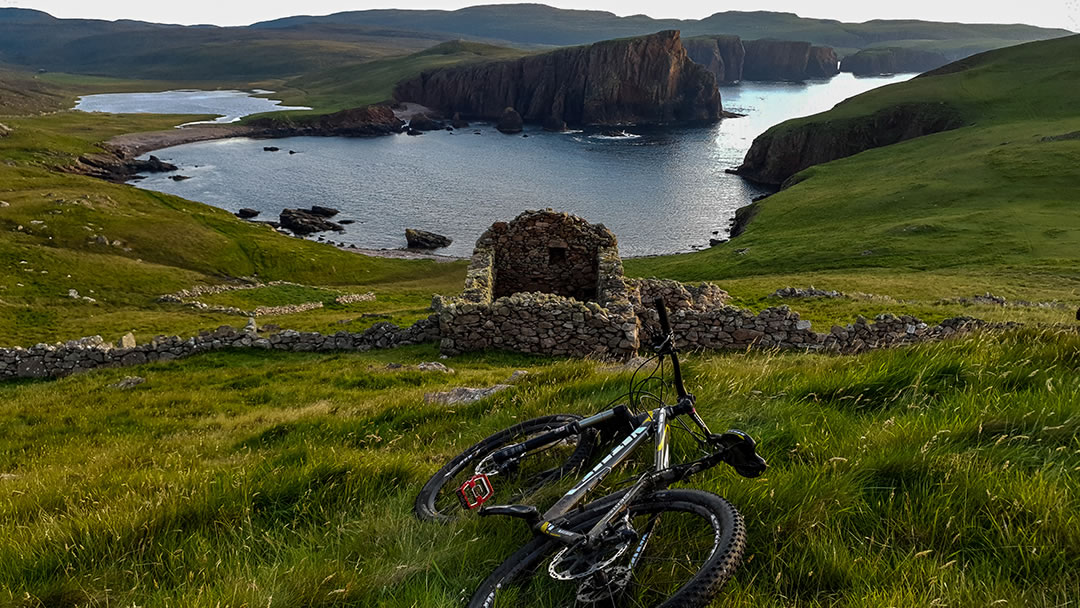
(657, 424)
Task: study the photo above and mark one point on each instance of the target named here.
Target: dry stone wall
(48, 360)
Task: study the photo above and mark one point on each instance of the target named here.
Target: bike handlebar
(669, 336)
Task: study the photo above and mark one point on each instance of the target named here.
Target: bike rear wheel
(695, 541)
(516, 484)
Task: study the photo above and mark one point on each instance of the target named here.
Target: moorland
(942, 473)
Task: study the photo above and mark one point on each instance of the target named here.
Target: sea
(660, 190)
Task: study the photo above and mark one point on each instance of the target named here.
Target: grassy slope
(173, 244)
(373, 82)
(941, 474)
(986, 207)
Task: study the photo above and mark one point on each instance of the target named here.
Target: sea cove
(230, 106)
(660, 190)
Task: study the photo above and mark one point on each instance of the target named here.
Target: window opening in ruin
(556, 255)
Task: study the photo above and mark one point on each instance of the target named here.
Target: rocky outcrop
(367, 121)
(422, 239)
(423, 122)
(779, 60)
(822, 62)
(303, 222)
(116, 167)
(874, 62)
(510, 122)
(721, 55)
(786, 149)
(247, 213)
(646, 80)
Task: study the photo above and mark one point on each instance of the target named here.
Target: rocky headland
(645, 80)
(788, 148)
(878, 61)
(721, 55)
(118, 161)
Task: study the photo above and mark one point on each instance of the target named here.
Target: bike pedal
(475, 492)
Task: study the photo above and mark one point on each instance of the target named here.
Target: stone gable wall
(548, 252)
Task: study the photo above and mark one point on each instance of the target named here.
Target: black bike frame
(655, 423)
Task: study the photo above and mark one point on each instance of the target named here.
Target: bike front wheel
(515, 484)
(686, 545)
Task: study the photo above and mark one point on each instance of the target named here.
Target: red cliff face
(822, 63)
(646, 80)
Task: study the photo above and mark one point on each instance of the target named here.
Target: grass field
(938, 475)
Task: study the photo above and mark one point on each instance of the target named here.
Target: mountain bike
(641, 545)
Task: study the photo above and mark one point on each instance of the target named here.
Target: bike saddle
(739, 451)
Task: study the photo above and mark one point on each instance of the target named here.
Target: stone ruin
(551, 283)
(546, 283)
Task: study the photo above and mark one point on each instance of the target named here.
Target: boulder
(304, 222)
(247, 213)
(422, 239)
(458, 122)
(271, 149)
(423, 122)
(414, 132)
(179, 178)
(510, 122)
(554, 124)
(324, 211)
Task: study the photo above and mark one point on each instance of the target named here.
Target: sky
(1046, 13)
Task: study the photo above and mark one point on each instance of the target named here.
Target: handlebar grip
(661, 309)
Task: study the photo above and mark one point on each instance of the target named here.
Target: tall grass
(943, 474)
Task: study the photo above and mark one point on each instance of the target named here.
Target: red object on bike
(475, 492)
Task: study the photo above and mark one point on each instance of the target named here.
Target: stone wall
(46, 360)
(518, 298)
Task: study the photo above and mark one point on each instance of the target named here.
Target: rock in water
(510, 122)
(644, 80)
(304, 222)
(554, 124)
(422, 239)
(271, 149)
(459, 122)
(246, 213)
(423, 122)
(324, 211)
(179, 178)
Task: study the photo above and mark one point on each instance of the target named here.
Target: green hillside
(993, 202)
(156, 244)
(371, 82)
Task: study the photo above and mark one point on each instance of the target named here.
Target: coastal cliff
(822, 62)
(874, 62)
(721, 55)
(646, 80)
(786, 149)
(731, 59)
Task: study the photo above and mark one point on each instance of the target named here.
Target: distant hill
(132, 49)
(304, 45)
(537, 24)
